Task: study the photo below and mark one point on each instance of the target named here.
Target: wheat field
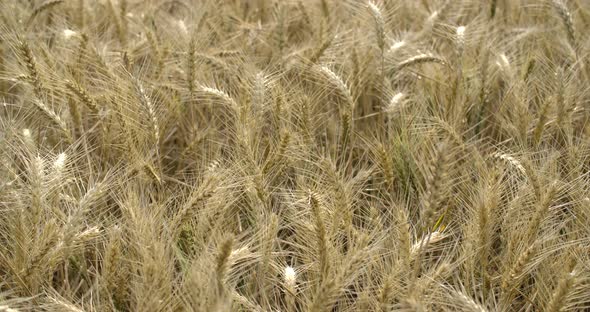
(294, 155)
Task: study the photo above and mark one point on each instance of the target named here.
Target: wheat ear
(322, 240)
(566, 18)
(43, 7)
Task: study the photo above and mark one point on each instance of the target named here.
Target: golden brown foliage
(314, 155)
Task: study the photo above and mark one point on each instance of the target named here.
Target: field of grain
(294, 155)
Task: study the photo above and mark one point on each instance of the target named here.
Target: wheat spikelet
(222, 263)
(92, 194)
(397, 45)
(436, 188)
(321, 236)
(405, 238)
(379, 24)
(511, 280)
(532, 177)
(290, 282)
(338, 83)
(155, 46)
(117, 20)
(394, 103)
(386, 164)
(268, 242)
(469, 302)
(324, 296)
(485, 217)
(385, 295)
(540, 127)
(420, 59)
(112, 259)
(483, 91)
(221, 95)
(52, 116)
(460, 40)
(58, 167)
(259, 92)
(83, 95)
(47, 5)
(64, 305)
(147, 103)
(37, 177)
(31, 64)
(425, 242)
(190, 74)
(545, 203)
(562, 290)
(560, 295)
(505, 65)
(512, 161)
(68, 34)
(33, 267)
(28, 139)
(566, 18)
(186, 212)
(215, 62)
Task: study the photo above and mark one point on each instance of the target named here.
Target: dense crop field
(312, 155)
